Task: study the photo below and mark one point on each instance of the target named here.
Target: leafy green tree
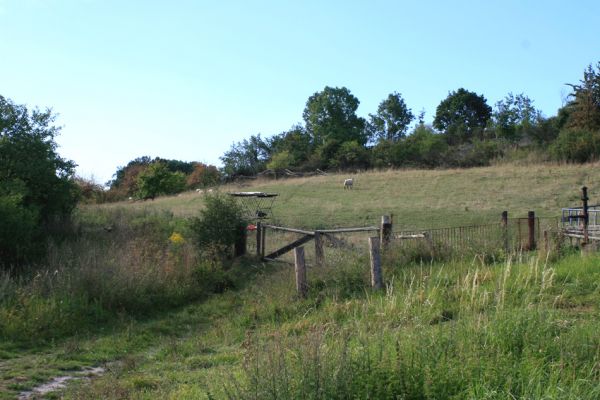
(330, 115)
(283, 159)
(584, 108)
(120, 178)
(247, 157)
(515, 117)
(158, 180)
(36, 189)
(295, 145)
(463, 116)
(350, 154)
(392, 119)
(424, 147)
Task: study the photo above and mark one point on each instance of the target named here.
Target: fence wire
(437, 243)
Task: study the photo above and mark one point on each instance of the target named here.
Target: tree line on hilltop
(465, 132)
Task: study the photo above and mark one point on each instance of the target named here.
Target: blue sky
(185, 79)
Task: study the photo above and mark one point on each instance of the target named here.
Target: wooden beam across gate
(290, 247)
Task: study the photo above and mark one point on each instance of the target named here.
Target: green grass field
(417, 198)
(164, 324)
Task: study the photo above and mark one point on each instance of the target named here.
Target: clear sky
(185, 79)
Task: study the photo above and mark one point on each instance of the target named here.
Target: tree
(36, 188)
(203, 175)
(515, 117)
(331, 115)
(392, 119)
(463, 115)
(281, 160)
(247, 157)
(295, 145)
(584, 108)
(156, 179)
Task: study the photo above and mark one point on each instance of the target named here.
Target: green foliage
(18, 230)
(35, 182)
(330, 115)
(584, 108)
(392, 119)
(157, 180)
(281, 160)
(246, 157)
(203, 175)
(423, 147)
(515, 117)
(350, 154)
(296, 142)
(463, 116)
(219, 225)
(577, 145)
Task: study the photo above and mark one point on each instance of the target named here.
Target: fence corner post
(531, 225)
(375, 256)
(300, 269)
(386, 231)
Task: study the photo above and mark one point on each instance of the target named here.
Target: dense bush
(36, 189)
(156, 180)
(577, 145)
(219, 225)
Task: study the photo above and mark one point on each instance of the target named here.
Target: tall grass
(459, 330)
(118, 262)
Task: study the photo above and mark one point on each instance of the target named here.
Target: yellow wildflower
(176, 238)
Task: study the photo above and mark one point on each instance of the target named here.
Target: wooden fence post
(376, 276)
(258, 239)
(240, 242)
(263, 240)
(300, 267)
(386, 231)
(319, 254)
(531, 225)
(505, 230)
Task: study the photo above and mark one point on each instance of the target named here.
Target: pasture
(130, 296)
(418, 198)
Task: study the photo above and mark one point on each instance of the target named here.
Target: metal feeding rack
(256, 205)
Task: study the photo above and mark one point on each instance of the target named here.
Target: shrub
(219, 225)
(577, 145)
(157, 179)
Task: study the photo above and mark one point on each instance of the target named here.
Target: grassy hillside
(164, 323)
(417, 198)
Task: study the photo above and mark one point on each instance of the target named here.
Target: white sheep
(199, 191)
(348, 183)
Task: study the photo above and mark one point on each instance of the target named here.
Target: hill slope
(417, 198)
